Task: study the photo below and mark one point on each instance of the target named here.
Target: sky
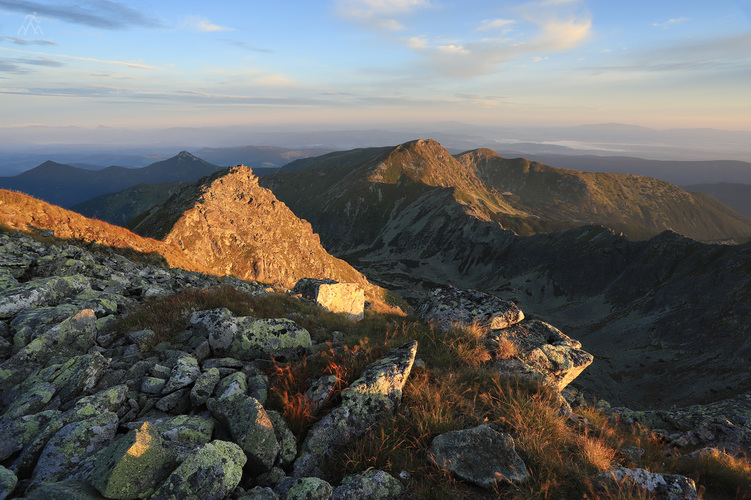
(659, 64)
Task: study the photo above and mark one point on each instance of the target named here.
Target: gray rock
(8, 482)
(480, 455)
(204, 387)
(285, 438)
(65, 490)
(184, 373)
(134, 465)
(305, 488)
(209, 474)
(176, 402)
(321, 390)
(449, 306)
(345, 298)
(17, 433)
(258, 387)
(658, 486)
(373, 396)
(71, 445)
(152, 385)
(235, 383)
(218, 325)
(38, 319)
(370, 485)
(261, 338)
(259, 493)
(45, 291)
(250, 427)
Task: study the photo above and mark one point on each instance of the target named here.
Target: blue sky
(368, 62)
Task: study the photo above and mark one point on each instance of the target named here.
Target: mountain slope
(736, 196)
(227, 222)
(65, 185)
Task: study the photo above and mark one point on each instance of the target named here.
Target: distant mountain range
(736, 196)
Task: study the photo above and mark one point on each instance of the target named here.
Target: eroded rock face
(449, 306)
(374, 395)
(345, 298)
(480, 455)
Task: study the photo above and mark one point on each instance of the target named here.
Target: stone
(250, 427)
(321, 391)
(479, 455)
(448, 307)
(45, 291)
(218, 325)
(184, 373)
(175, 402)
(370, 485)
(71, 445)
(258, 387)
(16, 434)
(658, 486)
(38, 319)
(8, 482)
(107, 400)
(79, 375)
(285, 438)
(133, 466)
(204, 386)
(235, 383)
(373, 396)
(563, 363)
(259, 493)
(65, 490)
(344, 298)
(305, 488)
(152, 385)
(211, 473)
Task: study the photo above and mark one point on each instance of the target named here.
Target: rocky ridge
(88, 413)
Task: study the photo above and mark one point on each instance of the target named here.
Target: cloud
(129, 64)
(24, 41)
(41, 61)
(493, 24)
(556, 25)
(379, 15)
(670, 22)
(102, 14)
(246, 46)
(203, 25)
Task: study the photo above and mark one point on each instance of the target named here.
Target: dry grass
(719, 474)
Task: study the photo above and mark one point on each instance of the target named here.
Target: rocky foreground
(87, 412)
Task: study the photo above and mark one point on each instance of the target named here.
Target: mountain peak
(184, 155)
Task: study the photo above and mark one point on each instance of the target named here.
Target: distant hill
(65, 185)
(262, 159)
(122, 206)
(736, 196)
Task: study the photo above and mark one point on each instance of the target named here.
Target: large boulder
(540, 351)
(345, 298)
(45, 291)
(370, 485)
(448, 307)
(248, 338)
(480, 455)
(250, 427)
(211, 473)
(373, 396)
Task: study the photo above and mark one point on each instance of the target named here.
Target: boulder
(373, 396)
(370, 485)
(235, 383)
(45, 291)
(480, 455)
(657, 486)
(345, 298)
(250, 427)
(259, 493)
(134, 465)
(184, 373)
(211, 473)
(8, 482)
(65, 490)
(285, 438)
(16, 434)
(71, 445)
(204, 386)
(249, 338)
(448, 307)
(305, 488)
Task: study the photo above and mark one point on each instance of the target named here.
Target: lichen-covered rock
(449, 306)
(152, 385)
(248, 338)
(45, 291)
(259, 493)
(345, 298)
(79, 375)
(65, 490)
(305, 488)
(204, 386)
(71, 445)
(176, 402)
(258, 387)
(285, 438)
(658, 486)
(250, 427)
(235, 383)
(184, 373)
(31, 400)
(30, 323)
(542, 351)
(321, 390)
(107, 400)
(370, 485)
(15, 434)
(211, 473)
(368, 399)
(480, 455)
(194, 429)
(8, 482)
(133, 466)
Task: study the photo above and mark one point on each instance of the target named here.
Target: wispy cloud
(670, 22)
(40, 61)
(246, 46)
(104, 14)
(380, 15)
(129, 64)
(201, 24)
(493, 24)
(557, 25)
(24, 41)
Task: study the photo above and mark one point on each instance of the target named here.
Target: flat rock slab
(479, 455)
(346, 298)
(449, 307)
